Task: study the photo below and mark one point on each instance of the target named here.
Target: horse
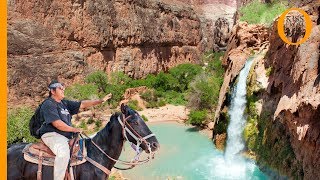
(109, 140)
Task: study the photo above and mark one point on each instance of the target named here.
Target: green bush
(119, 78)
(261, 13)
(99, 78)
(83, 125)
(269, 71)
(175, 98)
(154, 98)
(81, 92)
(204, 92)
(184, 74)
(98, 124)
(133, 104)
(144, 118)
(90, 120)
(117, 91)
(18, 125)
(165, 82)
(197, 117)
(215, 65)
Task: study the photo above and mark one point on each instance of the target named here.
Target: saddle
(40, 154)
(36, 148)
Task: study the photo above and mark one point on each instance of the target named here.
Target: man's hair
(51, 87)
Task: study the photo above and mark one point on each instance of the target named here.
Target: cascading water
(235, 142)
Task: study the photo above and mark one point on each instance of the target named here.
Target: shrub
(133, 104)
(144, 118)
(90, 120)
(83, 125)
(197, 117)
(86, 91)
(175, 98)
(118, 78)
(269, 71)
(215, 65)
(184, 74)
(98, 124)
(98, 78)
(18, 125)
(257, 12)
(117, 91)
(204, 92)
(153, 98)
(165, 82)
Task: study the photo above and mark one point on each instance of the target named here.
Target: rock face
(244, 40)
(295, 86)
(69, 39)
(289, 103)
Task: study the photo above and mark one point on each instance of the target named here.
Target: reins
(137, 147)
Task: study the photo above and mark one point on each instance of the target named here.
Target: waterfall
(235, 143)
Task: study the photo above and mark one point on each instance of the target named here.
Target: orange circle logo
(307, 23)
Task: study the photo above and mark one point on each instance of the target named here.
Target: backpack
(36, 121)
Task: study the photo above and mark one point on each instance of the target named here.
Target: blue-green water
(187, 154)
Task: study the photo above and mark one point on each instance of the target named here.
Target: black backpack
(36, 121)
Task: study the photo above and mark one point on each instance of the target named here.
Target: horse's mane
(106, 130)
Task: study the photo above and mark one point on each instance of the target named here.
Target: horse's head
(138, 133)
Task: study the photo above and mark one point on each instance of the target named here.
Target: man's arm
(64, 127)
(89, 103)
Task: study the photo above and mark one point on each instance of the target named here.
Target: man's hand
(77, 130)
(107, 97)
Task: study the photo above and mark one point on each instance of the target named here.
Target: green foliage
(165, 82)
(175, 98)
(98, 124)
(119, 78)
(250, 133)
(215, 65)
(261, 13)
(18, 125)
(117, 91)
(90, 120)
(184, 74)
(197, 117)
(269, 71)
(222, 125)
(86, 91)
(99, 78)
(144, 118)
(204, 92)
(83, 125)
(149, 81)
(133, 104)
(154, 98)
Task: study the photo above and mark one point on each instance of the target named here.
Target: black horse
(109, 139)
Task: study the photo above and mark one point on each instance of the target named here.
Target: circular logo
(294, 21)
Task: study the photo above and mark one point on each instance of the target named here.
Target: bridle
(139, 139)
(136, 136)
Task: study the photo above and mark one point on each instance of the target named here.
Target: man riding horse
(56, 131)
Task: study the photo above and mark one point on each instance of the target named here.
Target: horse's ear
(123, 108)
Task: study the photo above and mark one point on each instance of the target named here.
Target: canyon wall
(69, 39)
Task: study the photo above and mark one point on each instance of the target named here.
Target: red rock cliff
(68, 39)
